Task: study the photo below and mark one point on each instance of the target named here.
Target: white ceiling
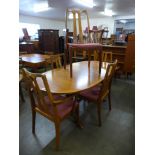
(119, 7)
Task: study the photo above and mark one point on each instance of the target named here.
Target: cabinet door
(49, 40)
(130, 55)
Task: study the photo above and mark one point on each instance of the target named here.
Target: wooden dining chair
(98, 93)
(95, 36)
(56, 108)
(53, 62)
(77, 34)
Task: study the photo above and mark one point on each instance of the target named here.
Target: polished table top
(83, 78)
(34, 60)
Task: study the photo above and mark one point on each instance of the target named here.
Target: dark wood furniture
(26, 46)
(56, 108)
(129, 65)
(49, 40)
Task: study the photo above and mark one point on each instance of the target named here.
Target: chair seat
(92, 93)
(64, 108)
(86, 45)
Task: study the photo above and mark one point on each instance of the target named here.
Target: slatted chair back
(53, 62)
(38, 98)
(77, 33)
(106, 84)
(95, 36)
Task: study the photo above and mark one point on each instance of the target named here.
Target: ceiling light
(43, 6)
(123, 21)
(87, 3)
(107, 12)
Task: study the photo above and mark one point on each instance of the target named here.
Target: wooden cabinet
(49, 40)
(124, 54)
(130, 55)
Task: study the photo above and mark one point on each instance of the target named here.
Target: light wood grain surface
(34, 60)
(83, 78)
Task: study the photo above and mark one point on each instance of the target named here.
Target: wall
(44, 23)
(105, 22)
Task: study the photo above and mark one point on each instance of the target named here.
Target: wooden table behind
(34, 60)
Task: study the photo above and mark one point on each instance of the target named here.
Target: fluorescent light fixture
(123, 21)
(107, 12)
(43, 6)
(87, 3)
(71, 16)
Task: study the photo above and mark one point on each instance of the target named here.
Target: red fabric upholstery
(85, 46)
(91, 94)
(64, 108)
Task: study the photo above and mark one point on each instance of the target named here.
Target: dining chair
(56, 108)
(99, 93)
(77, 34)
(53, 62)
(95, 36)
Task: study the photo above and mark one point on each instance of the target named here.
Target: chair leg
(99, 113)
(33, 121)
(78, 118)
(57, 129)
(109, 99)
(21, 92)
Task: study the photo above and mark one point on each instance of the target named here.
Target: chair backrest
(39, 98)
(54, 61)
(95, 36)
(106, 84)
(77, 38)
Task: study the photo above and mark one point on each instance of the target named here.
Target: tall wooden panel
(130, 55)
(49, 40)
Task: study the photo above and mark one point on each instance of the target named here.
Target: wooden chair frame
(37, 96)
(104, 90)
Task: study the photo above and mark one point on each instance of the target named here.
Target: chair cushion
(85, 46)
(62, 109)
(91, 94)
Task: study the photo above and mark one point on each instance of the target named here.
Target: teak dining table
(83, 78)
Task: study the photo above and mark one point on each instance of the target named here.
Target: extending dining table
(83, 78)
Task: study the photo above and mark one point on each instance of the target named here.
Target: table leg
(65, 58)
(89, 57)
(100, 60)
(70, 61)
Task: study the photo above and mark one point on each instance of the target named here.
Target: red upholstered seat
(86, 45)
(91, 94)
(62, 109)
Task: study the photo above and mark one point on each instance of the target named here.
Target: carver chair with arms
(54, 107)
(99, 93)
